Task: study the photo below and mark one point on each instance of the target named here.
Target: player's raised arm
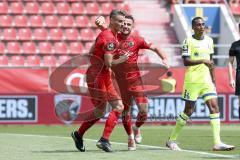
(101, 23)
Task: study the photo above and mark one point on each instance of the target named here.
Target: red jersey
(127, 74)
(106, 43)
(132, 44)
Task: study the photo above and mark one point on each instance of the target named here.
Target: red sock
(141, 118)
(85, 126)
(110, 123)
(127, 123)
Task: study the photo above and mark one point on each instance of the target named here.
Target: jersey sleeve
(143, 43)
(186, 48)
(232, 50)
(109, 45)
(211, 46)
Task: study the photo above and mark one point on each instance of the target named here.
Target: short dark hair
(129, 17)
(169, 73)
(195, 19)
(116, 12)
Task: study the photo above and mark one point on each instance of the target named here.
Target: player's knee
(189, 112)
(119, 108)
(214, 109)
(143, 108)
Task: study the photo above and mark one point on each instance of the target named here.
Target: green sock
(215, 124)
(180, 123)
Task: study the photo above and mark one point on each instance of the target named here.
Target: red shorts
(102, 89)
(130, 85)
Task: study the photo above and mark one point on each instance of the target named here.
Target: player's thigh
(97, 92)
(237, 86)
(208, 91)
(190, 92)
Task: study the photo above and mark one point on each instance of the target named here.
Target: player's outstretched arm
(230, 71)
(160, 53)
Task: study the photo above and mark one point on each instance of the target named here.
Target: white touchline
(141, 145)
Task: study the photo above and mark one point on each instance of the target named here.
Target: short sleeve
(143, 43)
(211, 46)
(186, 48)
(109, 45)
(232, 50)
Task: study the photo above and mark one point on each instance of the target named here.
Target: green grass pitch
(28, 142)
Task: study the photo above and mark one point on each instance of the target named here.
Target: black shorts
(237, 89)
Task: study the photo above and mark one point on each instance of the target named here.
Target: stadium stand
(33, 61)
(3, 60)
(54, 28)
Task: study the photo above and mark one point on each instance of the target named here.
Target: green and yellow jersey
(197, 50)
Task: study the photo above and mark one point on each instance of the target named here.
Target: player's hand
(165, 62)
(232, 83)
(100, 21)
(124, 57)
(208, 63)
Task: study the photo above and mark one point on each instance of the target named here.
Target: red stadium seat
(17, 7)
(88, 45)
(97, 31)
(2, 48)
(29, 48)
(92, 8)
(21, 21)
(32, 8)
(72, 34)
(60, 48)
(48, 8)
(67, 21)
(33, 61)
(17, 61)
(63, 8)
(5, 21)
(49, 61)
(36, 21)
(3, 8)
(123, 6)
(40, 34)
(25, 34)
(14, 48)
(78, 8)
(235, 9)
(87, 34)
(45, 48)
(63, 59)
(107, 8)
(82, 21)
(3, 61)
(101, 1)
(51, 21)
(55, 34)
(76, 48)
(117, 1)
(10, 34)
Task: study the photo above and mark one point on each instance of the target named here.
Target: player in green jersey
(197, 52)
